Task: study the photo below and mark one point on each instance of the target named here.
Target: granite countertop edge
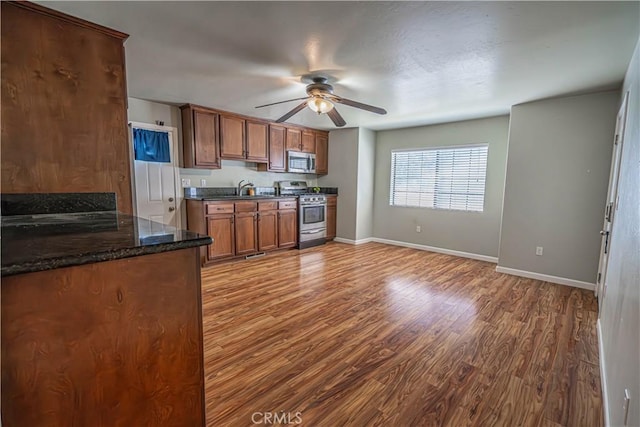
(90, 258)
(236, 198)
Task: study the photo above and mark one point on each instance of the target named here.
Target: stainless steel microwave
(301, 162)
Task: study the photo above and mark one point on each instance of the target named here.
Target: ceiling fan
(321, 100)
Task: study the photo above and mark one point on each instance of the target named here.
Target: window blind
(440, 178)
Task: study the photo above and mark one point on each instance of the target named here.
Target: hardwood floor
(377, 335)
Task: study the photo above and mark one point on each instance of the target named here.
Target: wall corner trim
(445, 251)
(547, 278)
(603, 376)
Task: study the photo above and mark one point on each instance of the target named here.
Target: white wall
(471, 232)
(343, 173)
(148, 112)
(366, 179)
(619, 319)
(557, 174)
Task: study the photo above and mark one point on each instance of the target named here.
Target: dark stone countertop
(39, 242)
(234, 198)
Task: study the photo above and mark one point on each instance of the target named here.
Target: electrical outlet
(203, 183)
(186, 182)
(539, 250)
(418, 229)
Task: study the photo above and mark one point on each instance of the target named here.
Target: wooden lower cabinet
(246, 233)
(114, 343)
(267, 230)
(244, 227)
(287, 228)
(221, 229)
(332, 210)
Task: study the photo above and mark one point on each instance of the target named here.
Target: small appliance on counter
(312, 213)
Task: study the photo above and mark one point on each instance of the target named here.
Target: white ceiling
(425, 62)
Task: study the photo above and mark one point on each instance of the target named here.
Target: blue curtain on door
(151, 146)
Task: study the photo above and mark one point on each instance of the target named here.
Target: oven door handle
(317, 230)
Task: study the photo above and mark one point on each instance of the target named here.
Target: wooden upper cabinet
(257, 145)
(308, 142)
(201, 142)
(64, 110)
(294, 137)
(232, 137)
(322, 153)
(277, 158)
(210, 135)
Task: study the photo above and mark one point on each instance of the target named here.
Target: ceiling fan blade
(357, 104)
(292, 112)
(336, 118)
(281, 102)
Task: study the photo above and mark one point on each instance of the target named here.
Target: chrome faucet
(241, 186)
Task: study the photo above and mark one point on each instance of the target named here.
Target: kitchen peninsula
(101, 315)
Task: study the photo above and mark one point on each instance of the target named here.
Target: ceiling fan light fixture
(320, 105)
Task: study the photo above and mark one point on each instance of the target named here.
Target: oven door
(312, 217)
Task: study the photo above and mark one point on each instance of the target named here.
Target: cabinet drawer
(246, 206)
(332, 200)
(267, 206)
(215, 208)
(288, 204)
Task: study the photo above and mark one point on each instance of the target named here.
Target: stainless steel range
(312, 213)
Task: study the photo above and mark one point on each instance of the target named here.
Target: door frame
(175, 162)
(612, 194)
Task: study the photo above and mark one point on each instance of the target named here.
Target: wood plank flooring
(377, 335)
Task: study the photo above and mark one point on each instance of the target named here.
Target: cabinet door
(277, 160)
(287, 228)
(257, 146)
(246, 233)
(231, 137)
(221, 230)
(267, 230)
(322, 154)
(293, 139)
(205, 140)
(308, 144)
(332, 210)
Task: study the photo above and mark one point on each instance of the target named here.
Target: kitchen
(364, 327)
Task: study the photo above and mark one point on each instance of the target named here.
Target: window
(440, 178)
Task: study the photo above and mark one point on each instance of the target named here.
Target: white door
(155, 185)
(612, 202)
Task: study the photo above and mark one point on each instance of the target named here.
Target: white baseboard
(603, 376)
(547, 278)
(353, 242)
(435, 249)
